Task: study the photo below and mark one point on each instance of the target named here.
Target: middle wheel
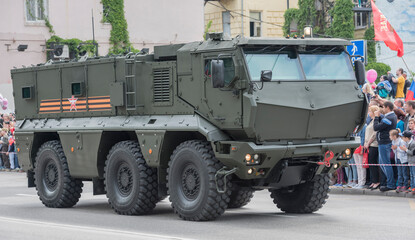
(130, 183)
(192, 184)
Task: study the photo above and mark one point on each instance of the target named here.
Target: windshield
(290, 67)
(327, 66)
(258, 62)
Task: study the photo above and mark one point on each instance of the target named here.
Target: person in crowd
(358, 158)
(368, 89)
(4, 148)
(410, 112)
(384, 87)
(372, 145)
(391, 79)
(351, 173)
(399, 103)
(411, 125)
(383, 124)
(400, 159)
(400, 84)
(400, 115)
(410, 151)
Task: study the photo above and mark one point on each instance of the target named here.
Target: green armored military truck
(205, 123)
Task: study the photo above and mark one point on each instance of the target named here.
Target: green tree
(342, 25)
(381, 68)
(371, 44)
(119, 37)
(290, 15)
(307, 13)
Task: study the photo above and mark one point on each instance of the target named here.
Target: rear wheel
(304, 198)
(192, 185)
(240, 197)
(131, 185)
(54, 185)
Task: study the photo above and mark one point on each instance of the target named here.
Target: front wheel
(303, 198)
(240, 197)
(54, 185)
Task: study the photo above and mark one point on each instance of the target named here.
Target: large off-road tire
(240, 197)
(130, 183)
(191, 182)
(55, 186)
(304, 198)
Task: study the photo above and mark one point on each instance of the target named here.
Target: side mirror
(266, 75)
(218, 73)
(359, 68)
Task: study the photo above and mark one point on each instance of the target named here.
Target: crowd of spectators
(385, 159)
(8, 153)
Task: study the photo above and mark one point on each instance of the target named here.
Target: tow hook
(327, 157)
(223, 173)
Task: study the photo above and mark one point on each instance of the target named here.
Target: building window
(226, 22)
(36, 10)
(255, 24)
(361, 19)
(361, 3)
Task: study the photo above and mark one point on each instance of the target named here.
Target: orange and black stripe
(97, 103)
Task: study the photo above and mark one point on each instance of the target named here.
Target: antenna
(93, 34)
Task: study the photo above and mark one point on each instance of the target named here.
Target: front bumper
(232, 154)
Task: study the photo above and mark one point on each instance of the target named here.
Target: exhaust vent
(162, 86)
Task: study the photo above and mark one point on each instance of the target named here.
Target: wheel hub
(51, 176)
(190, 182)
(125, 179)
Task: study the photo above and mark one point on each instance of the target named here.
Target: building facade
(249, 18)
(150, 23)
(264, 18)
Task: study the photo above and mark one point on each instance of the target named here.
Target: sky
(401, 15)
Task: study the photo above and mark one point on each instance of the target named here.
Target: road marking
(26, 195)
(412, 204)
(90, 229)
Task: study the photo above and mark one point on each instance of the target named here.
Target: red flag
(385, 32)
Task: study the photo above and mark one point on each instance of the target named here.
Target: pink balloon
(371, 75)
(5, 102)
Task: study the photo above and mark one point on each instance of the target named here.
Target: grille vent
(161, 88)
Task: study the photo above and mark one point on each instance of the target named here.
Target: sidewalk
(341, 190)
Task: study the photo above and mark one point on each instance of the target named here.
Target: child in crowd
(411, 125)
(410, 150)
(400, 158)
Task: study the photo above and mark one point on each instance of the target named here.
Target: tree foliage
(304, 15)
(290, 15)
(371, 44)
(76, 46)
(307, 13)
(381, 68)
(342, 25)
(119, 37)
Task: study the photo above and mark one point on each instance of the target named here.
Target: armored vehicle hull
(200, 122)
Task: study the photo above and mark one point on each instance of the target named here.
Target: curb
(351, 191)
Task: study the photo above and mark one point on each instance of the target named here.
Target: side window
(229, 69)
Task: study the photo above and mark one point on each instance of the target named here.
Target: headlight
(253, 159)
(348, 151)
(346, 154)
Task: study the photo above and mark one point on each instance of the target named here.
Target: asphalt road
(22, 216)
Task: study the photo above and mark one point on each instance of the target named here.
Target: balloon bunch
(3, 102)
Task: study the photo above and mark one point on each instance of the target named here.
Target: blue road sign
(357, 50)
